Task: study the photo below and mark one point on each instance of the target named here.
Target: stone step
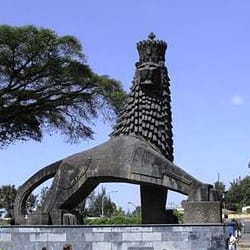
(244, 245)
(244, 242)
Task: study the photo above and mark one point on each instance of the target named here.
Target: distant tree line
(7, 200)
(237, 195)
(98, 208)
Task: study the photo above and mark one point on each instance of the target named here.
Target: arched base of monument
(202, 212)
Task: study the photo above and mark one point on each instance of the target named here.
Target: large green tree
(238, 194)
(7, 200)
(101, 205)
(221, 188)
(46, 83)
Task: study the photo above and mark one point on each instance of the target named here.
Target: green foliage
(118, 220)
(220, 187)
(179, 215)
(136, 212)
(101, 205)
(239, 193)
(111, 213)
(7, 200)
(42, 196)
(46, 84)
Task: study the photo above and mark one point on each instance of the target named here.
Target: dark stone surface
(202, 211)
(157, 196)
(140, 151)
(148, 110)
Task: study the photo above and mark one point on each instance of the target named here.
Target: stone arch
(27, 188)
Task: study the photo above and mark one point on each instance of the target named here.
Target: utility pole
(131, 203)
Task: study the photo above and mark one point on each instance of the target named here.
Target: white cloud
(237, 100)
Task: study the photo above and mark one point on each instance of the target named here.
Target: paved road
(244, 243)
(246, 226)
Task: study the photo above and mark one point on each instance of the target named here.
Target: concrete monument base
(202, 211)
(137, 237)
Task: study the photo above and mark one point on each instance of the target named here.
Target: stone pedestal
(38, 218)
(153, 200)
(202, 212)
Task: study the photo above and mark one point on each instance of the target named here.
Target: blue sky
(208, 59)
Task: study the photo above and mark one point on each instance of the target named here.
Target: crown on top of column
(151, 50)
